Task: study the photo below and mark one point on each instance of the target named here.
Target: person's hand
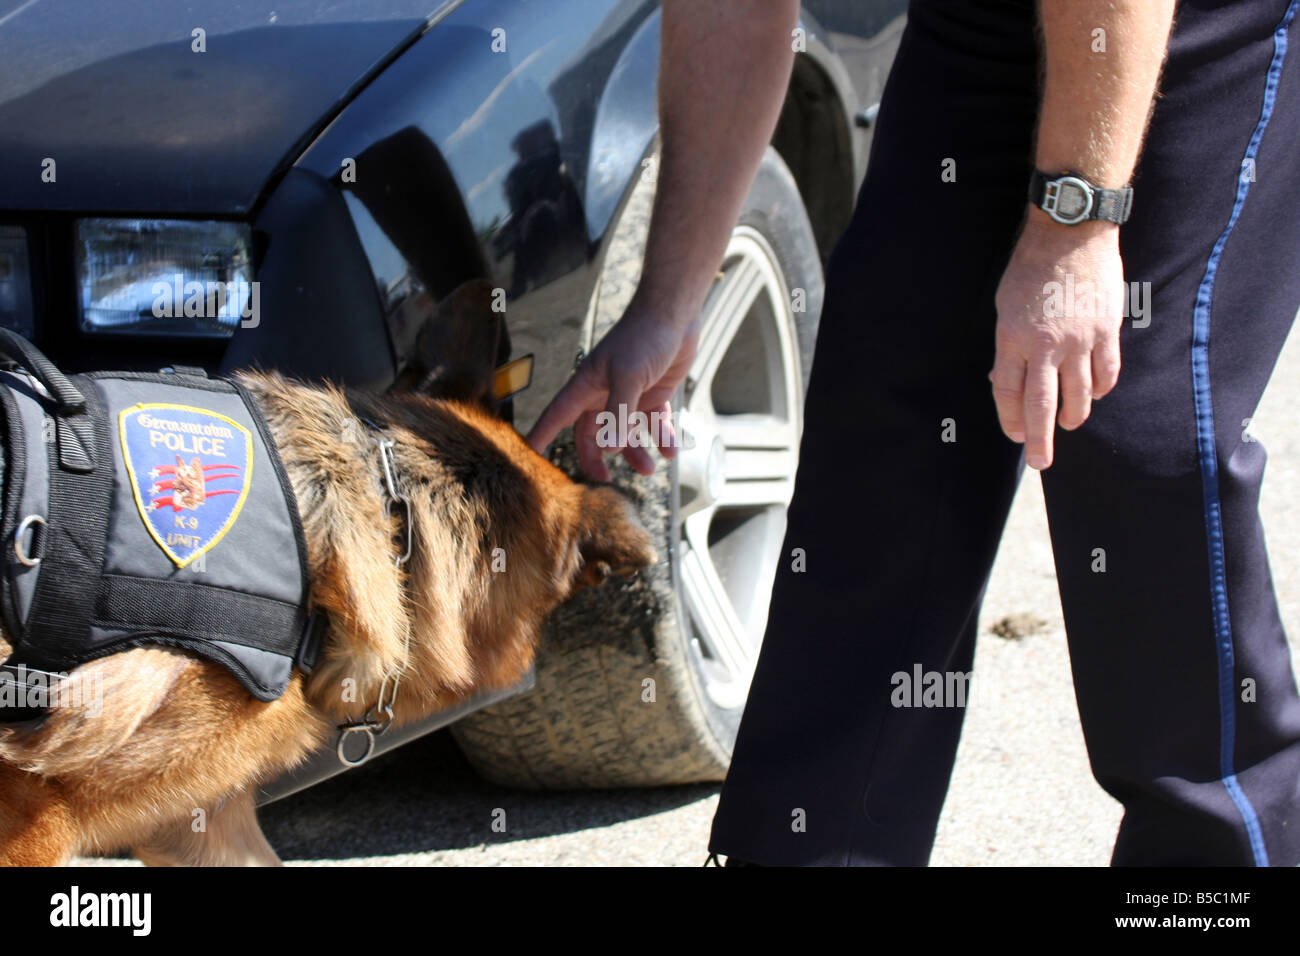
(1060, 307)
(637, 366)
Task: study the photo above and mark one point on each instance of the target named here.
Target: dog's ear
(611, 538)
(456, 351)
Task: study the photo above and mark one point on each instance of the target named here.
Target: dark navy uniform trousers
(900, 527)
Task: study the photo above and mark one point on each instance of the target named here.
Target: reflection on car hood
(108, 106)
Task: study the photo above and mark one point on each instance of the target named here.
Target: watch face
(1071, 202)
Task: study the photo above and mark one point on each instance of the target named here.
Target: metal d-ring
(371, 725)
(19, 550)
(341, 750)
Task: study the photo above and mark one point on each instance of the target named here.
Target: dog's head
(610, 539)
(455, 358)
(499, 537)
(563, 535)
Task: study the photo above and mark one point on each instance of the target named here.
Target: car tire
(642, 682)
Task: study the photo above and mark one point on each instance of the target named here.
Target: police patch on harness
(190, 472)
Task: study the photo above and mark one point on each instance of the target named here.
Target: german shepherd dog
(177, 734)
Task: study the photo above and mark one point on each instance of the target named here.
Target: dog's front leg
(229, 835)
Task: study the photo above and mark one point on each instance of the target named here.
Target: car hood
(111, 107)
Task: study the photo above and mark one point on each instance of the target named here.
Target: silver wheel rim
(741, 422)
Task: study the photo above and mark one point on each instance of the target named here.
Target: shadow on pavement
(426, 797)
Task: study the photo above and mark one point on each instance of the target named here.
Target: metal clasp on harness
(20, 549)
(375, 723)
(395, 496)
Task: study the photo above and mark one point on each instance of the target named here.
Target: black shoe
(731, 861)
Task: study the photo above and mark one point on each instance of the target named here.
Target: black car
(218, 185)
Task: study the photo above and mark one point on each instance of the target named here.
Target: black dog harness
(143, 509)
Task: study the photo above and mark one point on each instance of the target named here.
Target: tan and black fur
(178, 734)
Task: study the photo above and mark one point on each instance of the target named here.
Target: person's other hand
(637, 366)
(1060, 307)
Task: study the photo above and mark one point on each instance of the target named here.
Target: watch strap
(1108, 205)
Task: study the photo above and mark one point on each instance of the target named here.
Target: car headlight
(165, 277)
(15, 282)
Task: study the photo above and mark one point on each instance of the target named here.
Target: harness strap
(187, 608)
(73, 556)
(66, 396)
(26, 693)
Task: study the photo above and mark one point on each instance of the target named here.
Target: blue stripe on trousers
(1206, 450)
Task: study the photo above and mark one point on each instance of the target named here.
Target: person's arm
(723, 72)
(1093, 116)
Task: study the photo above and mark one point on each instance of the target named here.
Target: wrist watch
(1070, 199)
